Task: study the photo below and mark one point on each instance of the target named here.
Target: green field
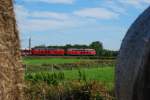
(104, 75)
(39, 61)
(42, 75)
(72, 80)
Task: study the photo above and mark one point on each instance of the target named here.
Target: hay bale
(133, 67)
(11, 70)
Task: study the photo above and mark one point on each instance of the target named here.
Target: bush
(47, 77)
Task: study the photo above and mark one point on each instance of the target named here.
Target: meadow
(39, 71)
(40, 61)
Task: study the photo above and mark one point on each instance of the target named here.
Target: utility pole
(30, 43)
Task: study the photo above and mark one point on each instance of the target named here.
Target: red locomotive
(25, 52)
(47, 51)
(81, 52)
(58, 52)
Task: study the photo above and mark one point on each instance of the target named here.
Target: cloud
(135, 3)
(53, 1)
(114, 6)
(23, 13)
(146, 1)
(49, 15)
(131, 2)
(29, 20)
(98, 13)
(123, 6)
(36, 21)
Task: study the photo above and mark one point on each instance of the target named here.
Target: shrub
(68, 90)
(47, 77)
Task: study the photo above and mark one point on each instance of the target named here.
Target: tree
(98, 46)
(11, 70)
(68, 46)
(40, 46)
(109, 53)
(80, 46)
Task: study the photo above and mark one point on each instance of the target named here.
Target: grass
(41, 78)
(91, 73)
(104, 75)
(39, 61)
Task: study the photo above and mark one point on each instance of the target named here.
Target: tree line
(97, 45)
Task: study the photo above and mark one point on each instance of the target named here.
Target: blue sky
(60, 22)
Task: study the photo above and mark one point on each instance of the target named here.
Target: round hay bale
(133, 66)
(11, 70)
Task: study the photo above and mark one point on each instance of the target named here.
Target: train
(58, 52)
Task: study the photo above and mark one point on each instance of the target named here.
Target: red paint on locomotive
(25, 52)
(81, 52)
(58, 52)
(47, 51)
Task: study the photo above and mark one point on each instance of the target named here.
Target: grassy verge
(69, 79)
(39, 61)
(83, 84)
(104, 75)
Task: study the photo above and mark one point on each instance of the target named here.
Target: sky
(60, 22)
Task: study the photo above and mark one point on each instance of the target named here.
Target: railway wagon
(58, 52)
(25, 52)
(47, 51)
(81, 52)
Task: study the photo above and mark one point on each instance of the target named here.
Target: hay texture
(11, 71)
(133, 66)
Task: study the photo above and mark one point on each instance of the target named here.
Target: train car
(57, 52)
(81, 52)
(25, 52)
(47, 51)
